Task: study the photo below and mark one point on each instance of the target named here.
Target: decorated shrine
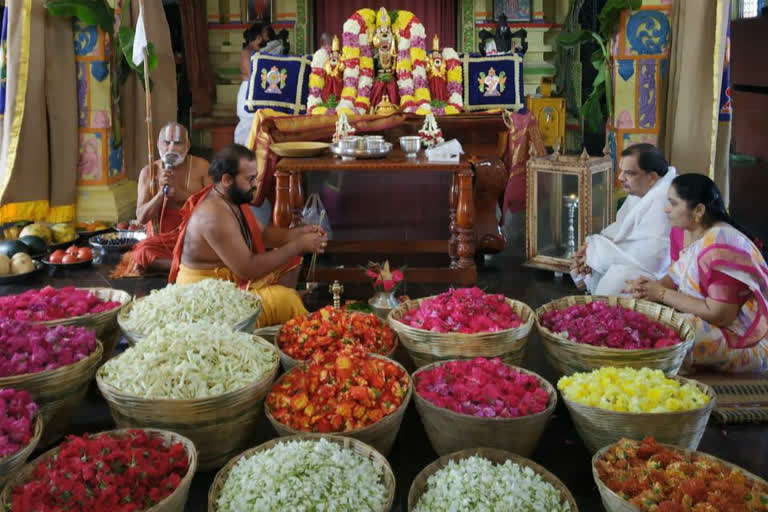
(283, 255)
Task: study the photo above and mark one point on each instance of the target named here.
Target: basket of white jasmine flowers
(305, 472)
(210, 300)
(488, 479)
(205, 381)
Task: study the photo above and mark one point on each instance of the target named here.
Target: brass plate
(299, 149)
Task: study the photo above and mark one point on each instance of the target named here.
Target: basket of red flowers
(463, 323)
(127, 470)
(20, 429)
(348, 392)
(645, 476)
(583, 332)
(465, 403)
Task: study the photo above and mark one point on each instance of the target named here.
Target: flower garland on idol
(412, 63)
(454, 84)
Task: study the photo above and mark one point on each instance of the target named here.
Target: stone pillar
(639, 72)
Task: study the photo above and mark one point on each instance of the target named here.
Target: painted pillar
(103, 192)
(639, 70)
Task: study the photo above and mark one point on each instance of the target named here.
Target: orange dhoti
(154, 247)
(279, 303)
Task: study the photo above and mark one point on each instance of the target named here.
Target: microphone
(170, 160)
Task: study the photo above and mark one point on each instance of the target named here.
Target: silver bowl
(410, 145)
(116, 242)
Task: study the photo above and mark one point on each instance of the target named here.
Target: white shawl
(639, 239)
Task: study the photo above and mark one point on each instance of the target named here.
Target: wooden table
(289, 202)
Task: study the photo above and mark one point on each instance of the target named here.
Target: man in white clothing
(637, 244)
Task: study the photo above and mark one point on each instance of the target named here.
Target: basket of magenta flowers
(463, 323)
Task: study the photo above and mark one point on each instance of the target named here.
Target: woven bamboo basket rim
(605, 490)
(168, 436)
(135, 336)
(358, 431)
(348, 443)
(591, 410)
(52, 376)
(633, 304)
(113, 294)
(496, 456)
(112, 394)
(551, 391)
(408, 333)
(13, 461)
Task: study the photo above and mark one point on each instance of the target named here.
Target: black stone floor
(560, 449)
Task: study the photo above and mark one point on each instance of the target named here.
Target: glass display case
(568, 198)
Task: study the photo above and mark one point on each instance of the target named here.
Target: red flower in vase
(384, 278)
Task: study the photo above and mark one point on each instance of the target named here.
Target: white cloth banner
(636, 244)
(139, 40)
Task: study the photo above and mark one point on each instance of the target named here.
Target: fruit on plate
(11, 247)
(40, 230)
(63, 232)
(13, 231)
(73, 254)
(5, 265)
(21, 263)
(35, 244)
(91, 226)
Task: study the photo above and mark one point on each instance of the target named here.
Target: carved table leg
(453, 228)
(282, 212)
(490, 184)
(465, 219)
(297, 199)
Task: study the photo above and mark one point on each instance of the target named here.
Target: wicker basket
(450, 431)
(600, 427)
(615, 503)
(568, 357)
(360, 448)
(105, 323)
(220, 426)
(13, 462)
(289, 363)
(381, 435)
(174, 502)
(133, 337)
(269, 333)
(427, 347)
(419, 485)
(58, 393)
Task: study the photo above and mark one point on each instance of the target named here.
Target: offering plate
(352, 154)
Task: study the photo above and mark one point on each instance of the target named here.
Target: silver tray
(122, 241)
(360, 153)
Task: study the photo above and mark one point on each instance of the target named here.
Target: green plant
(592, 110)
(101, 14)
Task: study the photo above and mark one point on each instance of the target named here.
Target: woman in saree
(719, 280)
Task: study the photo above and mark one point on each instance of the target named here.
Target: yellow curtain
(38, 137)
(164, 98)
(692, 140)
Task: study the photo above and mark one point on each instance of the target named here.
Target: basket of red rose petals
(54, 364)
(20, 429)
(93, 308)
(463, 323)
(369, 393)
(629, 472)
(129, 470)
(329, 329)
(466, 403)
(584, 332)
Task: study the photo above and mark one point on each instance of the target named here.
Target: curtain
(164, 95)
(38, 137)
(196, 54)
(691, 131)
(438, 16)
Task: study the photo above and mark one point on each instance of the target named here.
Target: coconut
(21, 263)
(5, 265)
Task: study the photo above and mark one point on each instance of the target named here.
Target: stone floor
(560, 449)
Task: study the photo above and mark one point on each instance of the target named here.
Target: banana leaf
(610, 15)
(88, 11)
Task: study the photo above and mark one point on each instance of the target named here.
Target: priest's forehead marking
(174, 133)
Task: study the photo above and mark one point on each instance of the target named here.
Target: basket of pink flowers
(466, 403)
(20, 429)
(583, 332)
(463, 323)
